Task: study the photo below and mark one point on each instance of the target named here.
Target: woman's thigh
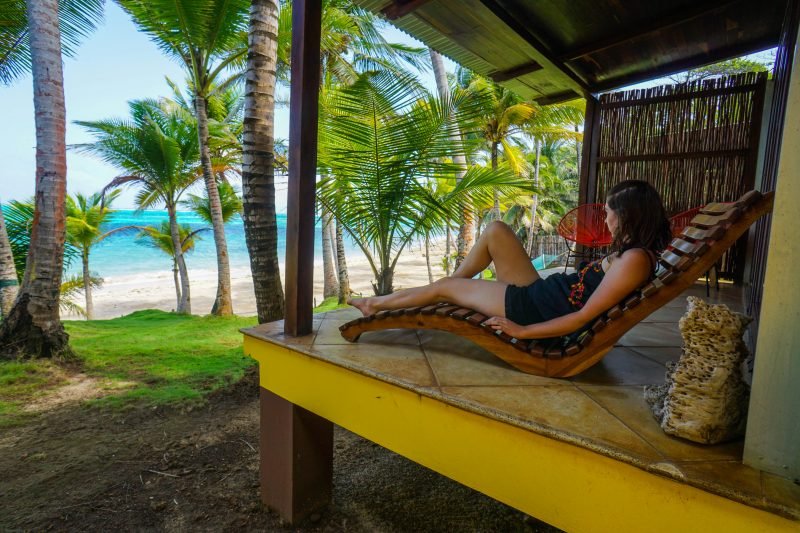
(487, 297)
(511, 262)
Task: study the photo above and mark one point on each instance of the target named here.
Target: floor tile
(729, 478)
(399, 362)
(344, 314)
(666, 314)
(329, 333)
(655, 334)
(660, 354)
(457, 361)
(628, 405)
(565, 410)
(273, 331)
(622, 366)
(782, 491)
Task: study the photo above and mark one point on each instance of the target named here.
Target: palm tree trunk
(446, 251)
(175, 279)
(33, 326)
(223, 306)
(467, 225)
(496, 206)
(328, 272)
(428, 255)
(87, 285)
(258, 160)
(344, 278)
(9, 284)
(535, 202)
(185, 300)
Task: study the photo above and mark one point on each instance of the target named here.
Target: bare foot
(364, 305)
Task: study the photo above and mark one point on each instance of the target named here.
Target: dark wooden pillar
(588, 171)
(296, 468)
(303, 114)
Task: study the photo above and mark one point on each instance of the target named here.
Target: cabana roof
(557, 51)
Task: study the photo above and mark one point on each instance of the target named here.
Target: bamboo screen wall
(696, 143)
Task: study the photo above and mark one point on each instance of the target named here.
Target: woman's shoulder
(638, 257)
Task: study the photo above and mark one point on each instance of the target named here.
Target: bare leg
(499, 244)
(487, 297)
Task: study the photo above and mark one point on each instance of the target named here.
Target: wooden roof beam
(520, 29)
(515, 72)
(401, 8)
(686, 64)
(679, 16)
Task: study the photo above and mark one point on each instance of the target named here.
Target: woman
(525, 306)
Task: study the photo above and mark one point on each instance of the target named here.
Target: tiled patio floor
(601, 409)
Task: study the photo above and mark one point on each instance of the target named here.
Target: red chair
(677, 224)
(585, 226)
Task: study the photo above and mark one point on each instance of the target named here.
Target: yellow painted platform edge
(562, 484)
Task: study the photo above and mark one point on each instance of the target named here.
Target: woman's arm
(627, 273)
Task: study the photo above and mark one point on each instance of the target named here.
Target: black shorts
(520, 305)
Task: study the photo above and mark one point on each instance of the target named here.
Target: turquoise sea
(123, 254)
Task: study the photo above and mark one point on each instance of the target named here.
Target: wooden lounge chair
(688, 257)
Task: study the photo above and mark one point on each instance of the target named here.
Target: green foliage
(19, 221)
(228, 197)
(381, 140)
(161, 238)
(77, 18)
(157, 146)
(729, 67)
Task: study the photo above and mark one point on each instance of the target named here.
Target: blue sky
(115, 64)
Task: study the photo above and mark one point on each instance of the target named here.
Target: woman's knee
(498, 227)
(443, 288)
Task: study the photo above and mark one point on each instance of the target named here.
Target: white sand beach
(121, 295)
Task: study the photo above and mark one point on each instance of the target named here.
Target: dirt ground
(88, 469)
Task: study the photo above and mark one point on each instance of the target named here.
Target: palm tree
(209, 39)
(158, 150)
(504, 115)
(76, 18)
(228, 198)
(162, 239)
(258, 160)
(466, 229)
(381, 137)
(9, 283)
(33, 326)
(85, 217)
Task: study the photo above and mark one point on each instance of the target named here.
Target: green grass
(146, 358)
(21, 383)
(329, 304)
(157, 358)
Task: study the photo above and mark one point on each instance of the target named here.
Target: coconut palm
(229, 200)
(33, 326)
(85, 217)
(157, 148)
(77, 19)
(161, 238)
(381, 138)
(209, 39)
(9, 283)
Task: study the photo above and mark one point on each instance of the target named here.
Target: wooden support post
(588, 170)
(296, 458)
(306, 28)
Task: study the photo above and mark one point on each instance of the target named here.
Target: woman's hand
(506, 326)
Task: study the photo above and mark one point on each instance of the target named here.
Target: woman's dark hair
(642, 220)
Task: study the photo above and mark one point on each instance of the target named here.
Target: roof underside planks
(552, 51)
